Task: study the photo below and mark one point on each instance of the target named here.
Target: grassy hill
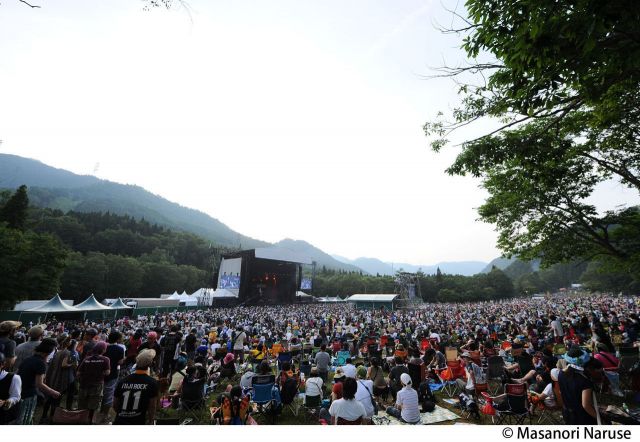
(60, 189)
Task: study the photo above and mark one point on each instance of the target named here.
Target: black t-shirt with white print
(135, 393)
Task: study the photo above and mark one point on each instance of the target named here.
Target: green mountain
(60, 189)
(375, 266)
(500, 263)
(64, 190)
(321, 258)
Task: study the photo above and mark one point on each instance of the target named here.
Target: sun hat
(339, 373)
(576, 356)
(405, 379)
(145, 358)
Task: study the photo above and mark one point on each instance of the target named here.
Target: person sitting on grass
(399, 369)
(364, 394)
(407, 407)
(313, 389)
(347, 411)
(376, 374)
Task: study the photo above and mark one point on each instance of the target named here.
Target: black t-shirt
(29, 370)
(571, 388)
(396, 372)
(115, 353)
(135, 393)
(190, 343)
(169, 344)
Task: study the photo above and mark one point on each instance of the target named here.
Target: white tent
(174, 296)
(203, 295)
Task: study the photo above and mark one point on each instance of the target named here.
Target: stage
(263, 276)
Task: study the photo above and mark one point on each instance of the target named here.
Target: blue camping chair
(284, 356)
(267, 399)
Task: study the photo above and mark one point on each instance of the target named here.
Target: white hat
(405, 379)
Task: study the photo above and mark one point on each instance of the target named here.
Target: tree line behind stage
(46, 251)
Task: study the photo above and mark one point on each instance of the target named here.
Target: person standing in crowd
(26, 349)
(10, 387)
(91, 375)
(170, 350)
(136, 396)
(88, 341)
(152, 344)
(238, 344)
(556, 327)
(58, 377)
(32, 373)
(190, 344)
(407, 407)
(116, 355)
(7, 344)
(134, 343)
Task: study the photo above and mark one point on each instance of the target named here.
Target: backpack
(426, 397)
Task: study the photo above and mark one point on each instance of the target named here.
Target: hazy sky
(299, 119)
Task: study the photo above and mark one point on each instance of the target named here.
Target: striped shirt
(408, 399)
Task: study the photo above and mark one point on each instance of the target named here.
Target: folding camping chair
(192, 400)
(517, 405)
(448, 376)
(549, 414)
(305, 368)
(495, 370)
(283, 357)
(266, 398)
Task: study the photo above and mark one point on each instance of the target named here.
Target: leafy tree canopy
(563, 77)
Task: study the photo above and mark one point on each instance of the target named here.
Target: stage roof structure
(281, 254)
(54, 305)
(370, 298)
(373, 301)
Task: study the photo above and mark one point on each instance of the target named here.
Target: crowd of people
(351, 364)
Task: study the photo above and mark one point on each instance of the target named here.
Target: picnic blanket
(438, 415)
